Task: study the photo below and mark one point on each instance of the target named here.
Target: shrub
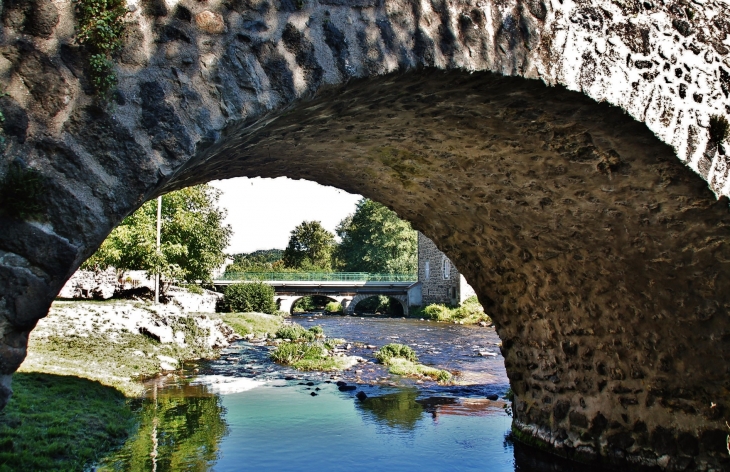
(291, 353)
(249, 297)
(292, 332)
(389, 351)
(296, 332)
(333, 307)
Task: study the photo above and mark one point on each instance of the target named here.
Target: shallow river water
(244, 412)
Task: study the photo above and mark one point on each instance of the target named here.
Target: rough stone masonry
(559, 152)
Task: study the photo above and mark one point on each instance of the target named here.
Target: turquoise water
(243, 412)
(284, 428)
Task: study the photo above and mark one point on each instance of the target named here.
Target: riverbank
(118, 343)
(87, 359)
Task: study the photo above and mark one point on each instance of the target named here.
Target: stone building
(441, 282)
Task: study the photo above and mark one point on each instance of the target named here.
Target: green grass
(307, 356)
(469, 312)
(389, 351)
(258, 324)
(402, 360)
(400, 366)
(296, 332)
(57, 422)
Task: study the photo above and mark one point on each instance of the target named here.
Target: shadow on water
(180, 428)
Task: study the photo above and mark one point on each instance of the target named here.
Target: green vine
(101, 30)
(20, 192)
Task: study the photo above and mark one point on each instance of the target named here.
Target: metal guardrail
(317, 276)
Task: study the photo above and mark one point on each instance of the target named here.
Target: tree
(310, 247)
(374, 239)
(193, 237)
(266, 260)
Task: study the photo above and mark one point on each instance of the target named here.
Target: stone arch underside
(601, 256)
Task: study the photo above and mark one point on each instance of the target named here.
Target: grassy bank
(101, 342)
(55, 422)
(256, 324)
(469, 312)
(402, 360)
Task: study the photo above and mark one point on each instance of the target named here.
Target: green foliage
(401, 366)
(333, 307)
(374, 239)
(306, 356)
(252, 323)
(310, 248)
(386, 353)
(469, 312)
(101, 29)
(719, 129)
(55, 422)
(193, 237)
(380, 304)
(310, 303)
(297, 333)
(269, 260)
(249, 297)
(21, 190)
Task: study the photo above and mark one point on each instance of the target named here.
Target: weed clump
(295, 332)
(101, 30)
(402, 360)
(389, 351)
(307, 349)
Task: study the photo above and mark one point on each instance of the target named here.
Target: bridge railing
(317, 276)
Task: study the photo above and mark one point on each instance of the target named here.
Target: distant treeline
(373, 239)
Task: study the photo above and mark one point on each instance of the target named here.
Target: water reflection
(180, 428)
(398, 410)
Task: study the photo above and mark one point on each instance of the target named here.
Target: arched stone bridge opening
(577, 216)
(401, 300)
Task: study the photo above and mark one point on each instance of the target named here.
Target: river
(243, 412)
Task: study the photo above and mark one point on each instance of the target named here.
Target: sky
(262, 212)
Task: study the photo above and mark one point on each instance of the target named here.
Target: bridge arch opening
(311, 303)
(602, 259)
(579, 230)
(379, 305)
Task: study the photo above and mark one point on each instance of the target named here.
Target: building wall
(437, 288)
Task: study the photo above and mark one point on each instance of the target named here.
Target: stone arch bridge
(562, 153)
(348, 289)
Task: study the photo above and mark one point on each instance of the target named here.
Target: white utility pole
(159, 228)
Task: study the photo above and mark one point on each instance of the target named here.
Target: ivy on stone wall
(101, 30)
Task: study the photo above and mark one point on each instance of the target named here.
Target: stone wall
(439, 285)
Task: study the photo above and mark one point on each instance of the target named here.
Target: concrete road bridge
(346, 288)
(567, 156)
